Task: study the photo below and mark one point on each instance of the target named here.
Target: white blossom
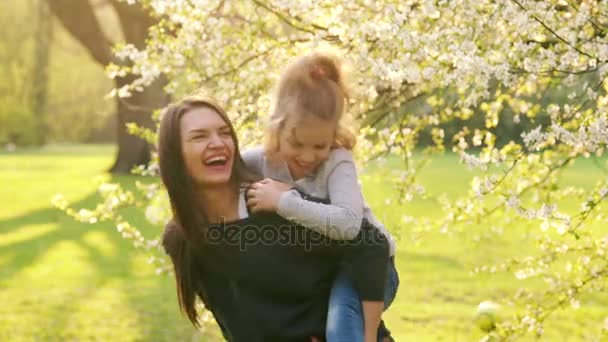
(482, 58)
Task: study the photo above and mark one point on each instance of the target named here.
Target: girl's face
(305, 143)
(207, 146)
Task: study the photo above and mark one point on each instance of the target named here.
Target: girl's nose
(307, 157)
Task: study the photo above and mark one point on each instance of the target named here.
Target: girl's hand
(264, 195)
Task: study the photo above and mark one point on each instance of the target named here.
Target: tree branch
(549, 72)
(552, 31)
(78, 17)
(282, 17)
(135, 22)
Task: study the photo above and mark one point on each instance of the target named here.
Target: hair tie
(318, 72)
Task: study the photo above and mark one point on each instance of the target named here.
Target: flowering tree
(417, 66)
(81, 19)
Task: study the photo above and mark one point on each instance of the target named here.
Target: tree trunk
(43, 36)
(78, 17)
(138, 108)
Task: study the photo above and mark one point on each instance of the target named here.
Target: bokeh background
(66, 280)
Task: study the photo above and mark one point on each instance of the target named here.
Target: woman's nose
(215, 140)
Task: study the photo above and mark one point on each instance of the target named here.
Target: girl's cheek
(284, 151)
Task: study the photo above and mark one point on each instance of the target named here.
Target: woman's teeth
(220, 160)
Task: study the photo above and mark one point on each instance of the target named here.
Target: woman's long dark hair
(184, 237)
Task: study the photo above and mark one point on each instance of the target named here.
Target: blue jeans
(345, 315)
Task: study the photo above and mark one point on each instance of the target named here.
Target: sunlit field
(61, 280)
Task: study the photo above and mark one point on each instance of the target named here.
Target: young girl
(308, 151)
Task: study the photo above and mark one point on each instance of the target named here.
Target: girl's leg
(345, 315)
(372, 314)
(392, 285)
(345, 320)
(348, 318)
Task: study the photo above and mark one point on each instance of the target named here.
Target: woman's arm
(214, 289)
(369, 256)
(218, 294)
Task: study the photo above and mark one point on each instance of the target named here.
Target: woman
(262, 277)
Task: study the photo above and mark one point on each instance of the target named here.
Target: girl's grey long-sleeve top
(335, 180)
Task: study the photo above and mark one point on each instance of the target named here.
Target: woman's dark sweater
(266, 279)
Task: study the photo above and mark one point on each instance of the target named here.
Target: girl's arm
(341, 219)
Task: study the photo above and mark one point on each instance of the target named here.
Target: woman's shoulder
(254, 153)
(172, 237)
(254, 159)
(171, 228)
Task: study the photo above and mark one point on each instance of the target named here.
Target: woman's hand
(264, 195)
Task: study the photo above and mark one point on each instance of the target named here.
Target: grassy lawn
(61, 280)
(65, 281)
(438, 296)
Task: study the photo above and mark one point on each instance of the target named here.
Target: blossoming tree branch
(416, 67)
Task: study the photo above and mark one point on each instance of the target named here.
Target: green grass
(438, 296)
(61, 280)
(65, 281)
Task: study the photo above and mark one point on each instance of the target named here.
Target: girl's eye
(225, 134)
(320, 147)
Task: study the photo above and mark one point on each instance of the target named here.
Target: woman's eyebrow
(198, 130)
(206, 130)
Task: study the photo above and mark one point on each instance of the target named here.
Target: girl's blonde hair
(312, 85)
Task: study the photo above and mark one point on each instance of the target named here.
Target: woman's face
(207, 146)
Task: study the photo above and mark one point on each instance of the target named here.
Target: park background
(68, 274)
